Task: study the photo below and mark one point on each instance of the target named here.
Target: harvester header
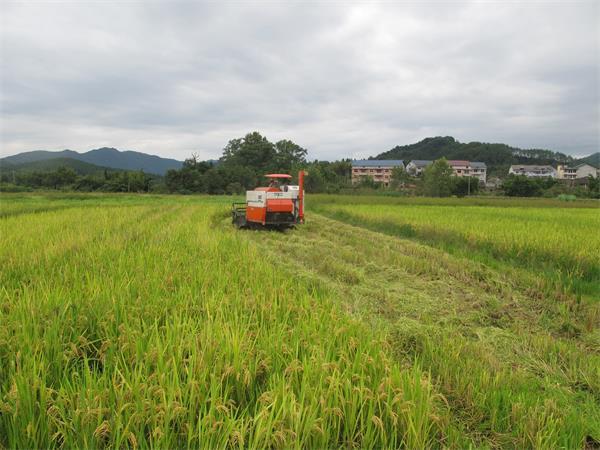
(278, 205)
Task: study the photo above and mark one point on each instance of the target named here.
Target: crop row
(563, 243)
(149, 325)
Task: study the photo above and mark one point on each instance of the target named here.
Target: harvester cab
(278, 205)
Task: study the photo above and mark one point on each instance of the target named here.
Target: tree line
(245, 160)
(438, 180)
(66, 178)
(522, 186)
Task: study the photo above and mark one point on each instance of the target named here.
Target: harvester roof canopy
(278, 175)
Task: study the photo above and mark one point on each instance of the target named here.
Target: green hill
(82, 168)
(105, 157)
(498, 157)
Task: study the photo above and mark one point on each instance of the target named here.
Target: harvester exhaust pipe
(301, 196)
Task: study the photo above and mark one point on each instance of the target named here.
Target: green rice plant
(144, 323)
(494, 349)
(148, 321)
(563, 244)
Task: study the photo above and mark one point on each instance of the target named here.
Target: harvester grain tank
(278, 205)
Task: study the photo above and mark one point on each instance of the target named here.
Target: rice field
(562, 243)
(149, 321)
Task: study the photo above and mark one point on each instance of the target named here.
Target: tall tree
(253, 150)
(289, 154)
(400, 178)
(521, 186)
(465, 186)
(437, 179)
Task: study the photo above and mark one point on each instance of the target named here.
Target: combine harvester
(277, 206)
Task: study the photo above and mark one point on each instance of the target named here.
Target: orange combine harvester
(278, 205)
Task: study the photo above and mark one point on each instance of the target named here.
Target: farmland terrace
(150, 321)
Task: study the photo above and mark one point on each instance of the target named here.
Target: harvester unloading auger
(278, 205)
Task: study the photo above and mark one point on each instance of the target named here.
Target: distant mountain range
(100, 158)
(498, 157)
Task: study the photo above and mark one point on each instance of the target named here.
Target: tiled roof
(377, 163)
(424, 162)
(530, 167)
(581, 165)
(454, 162)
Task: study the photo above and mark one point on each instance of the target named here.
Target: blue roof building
(380, 170)
(378, 163)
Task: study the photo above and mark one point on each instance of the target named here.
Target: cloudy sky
(343, 79)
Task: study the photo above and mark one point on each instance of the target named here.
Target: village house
(576, 172)
(469, 169)
(417, 166)
(532, 171)
(479, 170)
(380, 170)
(460, 168)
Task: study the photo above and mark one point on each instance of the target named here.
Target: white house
(479, 170)
(417, 166)
(576, 172)
(460, 168)
(532, 171)
(380, 170)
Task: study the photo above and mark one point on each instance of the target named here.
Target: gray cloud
(342, 79)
